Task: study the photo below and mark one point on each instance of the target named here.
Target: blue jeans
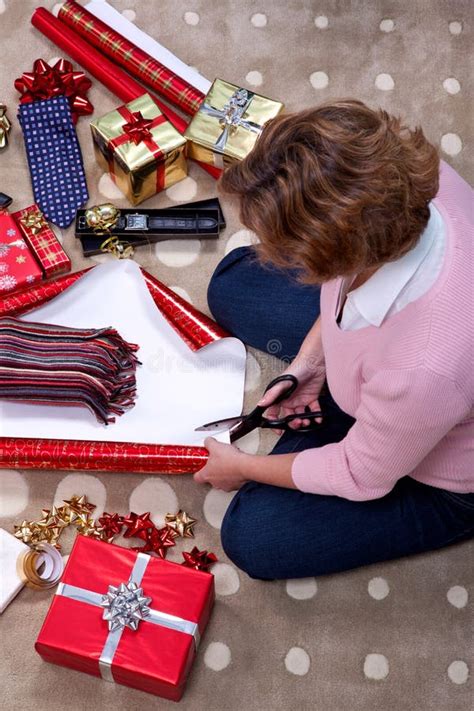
(271, 532)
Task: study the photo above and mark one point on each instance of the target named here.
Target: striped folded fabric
(54, 365)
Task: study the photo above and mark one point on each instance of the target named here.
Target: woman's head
(335, 190)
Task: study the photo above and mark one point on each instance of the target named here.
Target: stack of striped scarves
(54, 365)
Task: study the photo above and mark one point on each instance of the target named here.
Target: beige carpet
(394, 637)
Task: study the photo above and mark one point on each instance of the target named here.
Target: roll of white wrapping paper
(113, 18)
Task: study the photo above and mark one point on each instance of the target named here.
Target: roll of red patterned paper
(71, 455)
(127, 55)
(103, 69)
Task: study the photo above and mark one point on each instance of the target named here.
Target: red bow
(45, 82)
(138, 128)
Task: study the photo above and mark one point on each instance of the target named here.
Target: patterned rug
(395, 636)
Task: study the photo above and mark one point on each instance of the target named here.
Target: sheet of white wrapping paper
(177, 389)
(119, 23)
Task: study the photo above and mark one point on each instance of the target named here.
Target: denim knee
(238, 536)
(225, 280)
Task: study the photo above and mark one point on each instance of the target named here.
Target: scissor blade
(219, 425)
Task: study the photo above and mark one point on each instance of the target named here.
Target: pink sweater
(408, 383)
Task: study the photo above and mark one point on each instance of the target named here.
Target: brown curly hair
(335, 190)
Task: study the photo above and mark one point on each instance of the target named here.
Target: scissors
(243, 424)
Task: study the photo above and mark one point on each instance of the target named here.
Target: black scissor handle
(286, 378)
(283, 423)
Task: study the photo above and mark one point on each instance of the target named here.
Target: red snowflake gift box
(18, 267)
(42, 241)
(127, 617)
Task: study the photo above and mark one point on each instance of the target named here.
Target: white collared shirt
(397, 283)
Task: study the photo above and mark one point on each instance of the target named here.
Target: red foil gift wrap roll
(137, 62)
(46, 81)
(103, 69)
(127, 617)
(73, 455)
(195, 328)
(36, 296)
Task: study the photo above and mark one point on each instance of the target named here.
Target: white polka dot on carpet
(178, 253)
(384, 82)
(378, 588)
(254, 78)
(241, 238)
(226, 578)
(183, 191)
(78, 484)
(451, 144)
(376, 667)
(319, 80)
(258, 19)
(215, 506)
(182, 292)
(217, 656)
(458, 596)
(387, 25)
(451, 85)
(321, 22)
(108, 189)
(297, 661)
(302, 588)
(156, 496)
(458, 671)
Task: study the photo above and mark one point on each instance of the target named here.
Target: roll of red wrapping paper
(126, 54)
(111, 76)
(72, 455)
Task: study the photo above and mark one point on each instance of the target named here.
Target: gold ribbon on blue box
(228, 124)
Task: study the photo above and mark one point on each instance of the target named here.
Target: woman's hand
(311, 375)
(225, 466)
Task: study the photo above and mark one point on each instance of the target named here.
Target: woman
(349, 198)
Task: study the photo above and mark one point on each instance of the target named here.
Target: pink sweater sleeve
(402, 415)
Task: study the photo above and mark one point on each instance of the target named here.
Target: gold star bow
(34, 221)
(181, 524)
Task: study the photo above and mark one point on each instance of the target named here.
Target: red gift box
(90, 624)
(42, 241)
(18, 267)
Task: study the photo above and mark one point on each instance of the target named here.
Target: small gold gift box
(228, 124)
(140, 149)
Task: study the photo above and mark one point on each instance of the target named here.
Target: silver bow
(231, 116)
(125, 606)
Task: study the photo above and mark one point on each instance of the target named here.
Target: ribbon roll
(40, 567)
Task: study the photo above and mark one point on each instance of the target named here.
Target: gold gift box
(228, 124)
(140, 149)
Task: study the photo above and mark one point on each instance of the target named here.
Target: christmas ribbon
(137, 129)
(5, 127)
(231, 117)
(140, 605)
(45, 82)
(34, 221)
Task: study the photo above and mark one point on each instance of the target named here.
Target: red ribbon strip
(46, 82)
(137, 129)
